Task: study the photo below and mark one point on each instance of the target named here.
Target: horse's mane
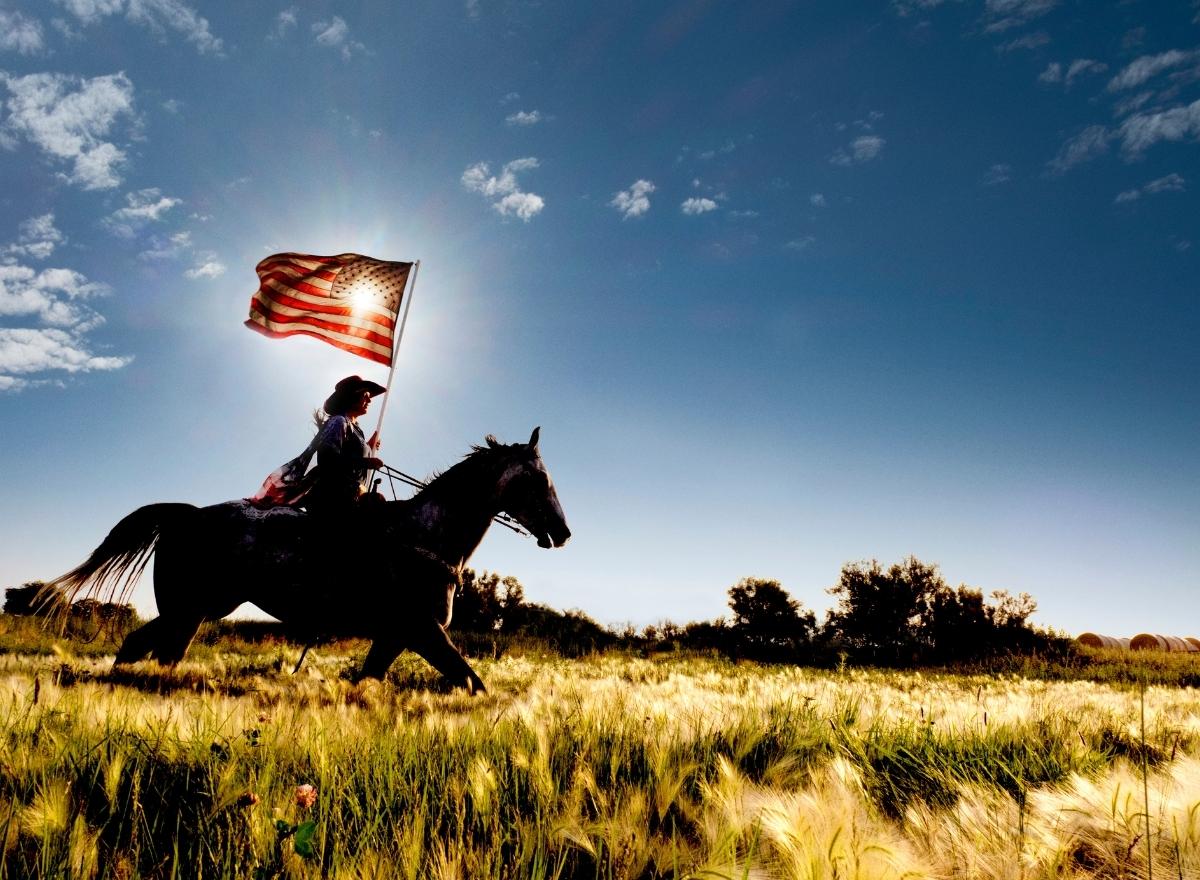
(451, 480)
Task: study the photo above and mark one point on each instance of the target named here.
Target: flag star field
(786, 285)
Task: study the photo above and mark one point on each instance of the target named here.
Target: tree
(486, 602)
(880, 614)
(767, 622)
(26, 599)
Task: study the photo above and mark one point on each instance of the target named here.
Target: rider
(343, 456)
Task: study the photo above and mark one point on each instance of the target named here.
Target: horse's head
(526, 492)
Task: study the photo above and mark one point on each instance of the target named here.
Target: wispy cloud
(1003, 15)
(906, 8)
(285, 23)
(635, 201)
(1055, 72)
(694, 206)
(207, 266)
(523, 117)
(175, 245)
(817, 200)
(1148, 66)
(37, 239)
(999, 173)
(159, 16)
(1085, 146)
(802, 243)
(21, 34)
(503, 190)
(726, 148)
(1143, 130)
(335, 34)
(861, 149)
(142, 207)
(1171, 183)
(1030, 41)
(70, 118)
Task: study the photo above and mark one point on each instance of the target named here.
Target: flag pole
(412, 286)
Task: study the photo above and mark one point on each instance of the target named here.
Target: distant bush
(907, 614)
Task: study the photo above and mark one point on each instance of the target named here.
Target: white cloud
(1143, 130)
(335, 34)
(521, 117)
(1132, 103)
(695, 206)
(1001, 15)
(285, 22)
(1085, 146)
(143, 207)
(157, 15)
(635, 201)
(997, 174)
(68, 118)
(207, 266)
(1083, 66)
(747, 214)
(38, 238)
(1030, 41)
(175, 245)
(817, 200)
(508, 199)
(510, 97)
(21, 34)
(1140, 70)
(802, 243)
(520, 204)
(50, 296)
(472, 8)
(862, 149)
(1171, 183)
(1052, 74)
(905, 8)
(25, 350)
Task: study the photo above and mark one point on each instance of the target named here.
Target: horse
(389, 574)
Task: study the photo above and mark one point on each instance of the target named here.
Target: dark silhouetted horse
(388, 575)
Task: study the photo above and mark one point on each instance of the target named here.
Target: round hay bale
(1176, 645)
(1195, 642)
(1094, 640)
(1147, 642)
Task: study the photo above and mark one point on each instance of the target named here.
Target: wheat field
(603, 767)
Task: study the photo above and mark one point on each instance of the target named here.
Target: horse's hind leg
(173, 639)
(139, 643)
(432, 643)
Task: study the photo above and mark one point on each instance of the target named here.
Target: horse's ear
(491, 441)
(533, 438)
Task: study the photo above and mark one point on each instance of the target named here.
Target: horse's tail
(114, 567)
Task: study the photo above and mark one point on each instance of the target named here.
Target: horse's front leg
(383, 651)
(431, 642)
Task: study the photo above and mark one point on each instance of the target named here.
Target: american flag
(350, 301)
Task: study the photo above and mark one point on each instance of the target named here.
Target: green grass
(601, 767)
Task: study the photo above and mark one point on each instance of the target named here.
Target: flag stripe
(307, 299)
(293, 316)
(347, 300)
(385, 359)
(295, 305)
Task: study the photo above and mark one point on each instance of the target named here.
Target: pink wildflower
(306, 796)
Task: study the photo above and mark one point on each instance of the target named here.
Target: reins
(395, 475)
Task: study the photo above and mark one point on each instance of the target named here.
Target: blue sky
(785, 285)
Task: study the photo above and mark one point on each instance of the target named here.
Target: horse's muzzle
(560, 537)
